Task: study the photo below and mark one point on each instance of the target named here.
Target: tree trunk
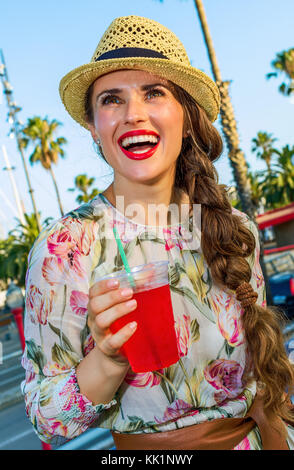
(29, 184)
(229, 127)
(56, 190)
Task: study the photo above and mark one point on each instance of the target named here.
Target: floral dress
(208, 381)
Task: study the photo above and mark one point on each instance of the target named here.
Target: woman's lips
(142, 155)
(139, 156)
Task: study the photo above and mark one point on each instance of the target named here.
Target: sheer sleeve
(57, 284)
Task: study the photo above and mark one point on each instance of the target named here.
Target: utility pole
(15, 130)
(10, 169)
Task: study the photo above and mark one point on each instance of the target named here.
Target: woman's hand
(107, 303)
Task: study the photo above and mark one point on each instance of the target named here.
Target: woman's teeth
(140, 139)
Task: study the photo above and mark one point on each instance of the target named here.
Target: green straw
(123, 256)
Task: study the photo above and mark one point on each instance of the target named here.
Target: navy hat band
(130, 52)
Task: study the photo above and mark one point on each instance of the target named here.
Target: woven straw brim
(74, 86)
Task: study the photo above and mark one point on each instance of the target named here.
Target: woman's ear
(93, 132)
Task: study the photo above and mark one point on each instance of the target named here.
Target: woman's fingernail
(133, 325)
(112, 283)
(126, 292)
(131, 303)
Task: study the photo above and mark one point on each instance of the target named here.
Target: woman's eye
(110, 99)
(155, 92)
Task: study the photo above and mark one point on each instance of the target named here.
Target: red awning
(276, 216)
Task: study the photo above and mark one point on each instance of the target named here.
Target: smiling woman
(138, 118)
(152, 115)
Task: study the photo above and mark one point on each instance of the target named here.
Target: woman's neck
(147, 204)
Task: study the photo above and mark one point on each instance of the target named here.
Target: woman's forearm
(99, 377)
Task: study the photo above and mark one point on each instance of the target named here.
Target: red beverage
(153, 346)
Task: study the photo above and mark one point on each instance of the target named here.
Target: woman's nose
(135, 111)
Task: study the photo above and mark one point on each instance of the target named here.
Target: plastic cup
(153, 346)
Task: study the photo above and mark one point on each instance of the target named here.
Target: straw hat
(133, 42)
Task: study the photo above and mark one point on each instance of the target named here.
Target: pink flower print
(230, 326)
(171, 239)
(225, 376)
(88, 345)
(54, 368)
(85, 238)
(142, 379)
(49, 427)
(33, 295)
(82, 233)
(29, 368)
(60, 243)
(58, 271)
(244, 445)
(182, 329)
(175, 410)
(79, 302)
(73, 399)
(39, 304)
(52, 270)
(229, 318)
(258, 276)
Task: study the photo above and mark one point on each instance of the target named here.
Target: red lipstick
(138, 156)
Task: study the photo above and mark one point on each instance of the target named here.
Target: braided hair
(226, 242)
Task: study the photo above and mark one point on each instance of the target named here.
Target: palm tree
(229, 127)
(40, 132)
(284, 64)
(228, 121)
(15, 249)
(257, 195)
(285, 175)
(263, 146)
(83, 183)
(257, 192)
(278, 185)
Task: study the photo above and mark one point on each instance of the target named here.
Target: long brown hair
(224, 236)
(226, 242)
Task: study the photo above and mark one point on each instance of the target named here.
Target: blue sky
(42, 41)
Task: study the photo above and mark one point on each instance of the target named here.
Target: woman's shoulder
(248, 222)
(77, 226)
(245, 217)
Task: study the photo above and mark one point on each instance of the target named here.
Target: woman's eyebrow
(152, 85)
(111, 91)
(119, 90)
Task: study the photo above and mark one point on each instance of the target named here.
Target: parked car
(282, 289)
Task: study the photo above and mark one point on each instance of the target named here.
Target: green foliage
(273, 187)
(40, 132)
(263, 146)
(284, 64)
(83, 184)
(278, 186)
(15, 249)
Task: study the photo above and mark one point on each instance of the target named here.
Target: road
(16, 432)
